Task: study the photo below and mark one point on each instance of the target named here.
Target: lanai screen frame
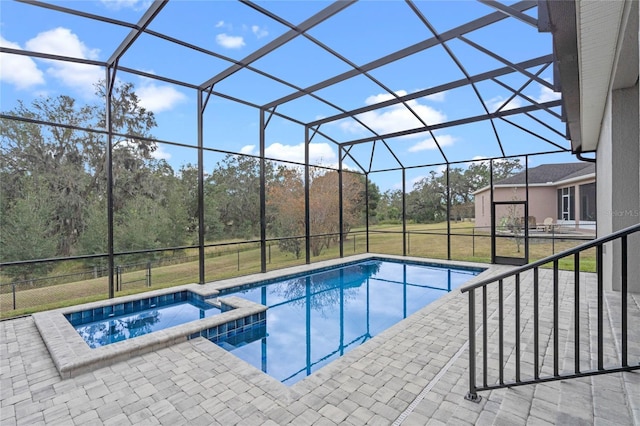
(205, 91)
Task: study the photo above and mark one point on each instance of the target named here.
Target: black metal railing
(516, 350)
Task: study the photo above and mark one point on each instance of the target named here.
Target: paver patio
(414, 373)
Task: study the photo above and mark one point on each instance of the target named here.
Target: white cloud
(160, 153)
(437, 97)
(319, 153)
(394, 118)
(21, 71)
(158, 98)
(230, 42)
(381, 97)
(127, 4)
(547, 95)
(410, 184)
(496, 102)
(61, 41)
(248, 149)
(220, 24)
(428, 144)
(259, 32)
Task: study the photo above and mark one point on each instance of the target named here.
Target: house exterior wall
(542, 203)
(577, 223)
(482, 202)
(618, 170)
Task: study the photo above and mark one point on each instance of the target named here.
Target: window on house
(588, 201)
(566, 205)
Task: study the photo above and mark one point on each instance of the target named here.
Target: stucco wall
(618, 164)
(542, 201)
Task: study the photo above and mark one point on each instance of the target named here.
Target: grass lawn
(429, 241)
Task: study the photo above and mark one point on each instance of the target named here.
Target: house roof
(550, 173)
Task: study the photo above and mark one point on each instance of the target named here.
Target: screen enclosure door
(509, 233)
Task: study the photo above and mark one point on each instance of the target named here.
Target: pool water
(126, 326)
(314, 319)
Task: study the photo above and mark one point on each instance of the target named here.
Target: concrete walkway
(415, 373)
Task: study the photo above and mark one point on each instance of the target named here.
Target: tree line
(53, 200)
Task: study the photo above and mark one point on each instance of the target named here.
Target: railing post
(556, 313)
(501, 331)
(472, 395)
(13, 289)
(600, 271)
(517, 336)
(484, 332)
(576, 312)
(623, 290)
(148, 274)
(536, 332)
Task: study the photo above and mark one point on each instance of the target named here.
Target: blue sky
(361, 33)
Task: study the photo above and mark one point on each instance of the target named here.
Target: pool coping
(72, 356)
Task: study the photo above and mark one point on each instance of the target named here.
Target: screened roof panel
(42, 30)
(307, 109)
(252, 87)
(367, 30)
(472, 60)
(352, 93)
(110, 9)
(453, 15)
(164, 63)
(397, 43)
(301, 62)
(516, 141)
(294, 12)
(432, 67)
(476, 138)
(420, 148)
(498, 38)
(227, 27)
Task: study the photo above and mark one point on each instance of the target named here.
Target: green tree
(72, 162)
(235, 183)
(390, 206)
(427, 202)
(27, 230)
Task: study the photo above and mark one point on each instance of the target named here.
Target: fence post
(473, 242)
(13, 285)
(269, 252)
(118, 278)
(354, 243)
(238, 259)
(148, 274)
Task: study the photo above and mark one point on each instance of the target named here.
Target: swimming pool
(313, 319)
(381, 294)
(114, 323)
